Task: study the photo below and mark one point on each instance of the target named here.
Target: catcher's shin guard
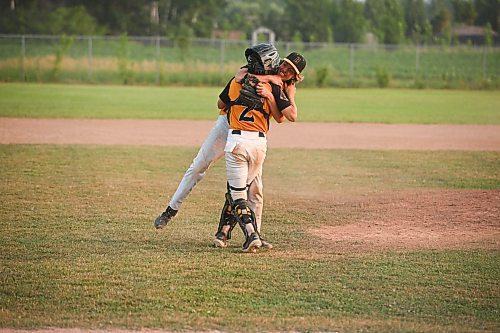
(227, 218)
(244, 216)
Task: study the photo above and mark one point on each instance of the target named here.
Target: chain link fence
(163, 61)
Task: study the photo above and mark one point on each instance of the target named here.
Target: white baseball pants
(245, 155)
(211, 151)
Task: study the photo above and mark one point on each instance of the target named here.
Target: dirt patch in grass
(421, 219)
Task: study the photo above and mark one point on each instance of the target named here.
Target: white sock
(249, 228)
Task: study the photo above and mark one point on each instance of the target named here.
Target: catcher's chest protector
(246, 118)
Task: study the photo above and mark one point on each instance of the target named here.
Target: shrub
(123, 56)
(60, 51)
(382, 76)
(321, 76)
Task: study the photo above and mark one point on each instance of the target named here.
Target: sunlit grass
(79, 249)
(199, 103)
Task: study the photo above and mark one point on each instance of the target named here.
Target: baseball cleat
(220, 240)
(164, 218)
(252, 243)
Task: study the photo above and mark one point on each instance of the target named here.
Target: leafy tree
(199, 15)
(415, 19)
(118, 17)
(71, 21)
(441, 18)
(311, 18)
(488, 35)
(28, 17)
(488, 11)
(464, 11)
(386, 19)
(427, 35)
(350, 25)
(240, 15)
(274, 18)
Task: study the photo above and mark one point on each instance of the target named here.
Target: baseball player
(245, 151)
(213, 147)
(289, 73)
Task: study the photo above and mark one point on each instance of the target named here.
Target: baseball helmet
(262, 59)
(298, 63)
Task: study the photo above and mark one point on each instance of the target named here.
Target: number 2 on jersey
(243, 115)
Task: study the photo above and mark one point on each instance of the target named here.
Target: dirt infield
(287, 135)
(418, 219)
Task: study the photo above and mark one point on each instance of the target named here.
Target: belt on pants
(238, 132)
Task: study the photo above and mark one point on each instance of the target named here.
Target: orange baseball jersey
(246, 119)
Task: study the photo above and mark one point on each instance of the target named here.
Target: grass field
(78, 248)
(317, 105)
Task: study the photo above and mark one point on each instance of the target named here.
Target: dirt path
(288, 135)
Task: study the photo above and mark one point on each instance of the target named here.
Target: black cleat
(252, 243)
(164, 218)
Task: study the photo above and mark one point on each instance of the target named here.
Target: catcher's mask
(263, 59)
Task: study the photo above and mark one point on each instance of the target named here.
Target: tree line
(346, 21)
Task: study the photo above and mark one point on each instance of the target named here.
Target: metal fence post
(90, 57)
(417, 61)
(485, 48)
(351, 63)
(222, 50)
(158, 60)
(23, 56)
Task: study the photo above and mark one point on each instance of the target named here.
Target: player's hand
(262, 91)
(276, 79)
(241, 75)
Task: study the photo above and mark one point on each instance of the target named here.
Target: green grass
(318, 105)
(438, 67)
(79, 250)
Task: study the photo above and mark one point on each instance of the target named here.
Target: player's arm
(287, 109)
(224, 96)
(220, 104)
(267, 94)
(241, 74)
(291, 112)
(275, 79)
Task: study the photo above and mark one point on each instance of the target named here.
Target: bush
(321, 76)
(60, 51)
(382, 76)
(123, 59)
